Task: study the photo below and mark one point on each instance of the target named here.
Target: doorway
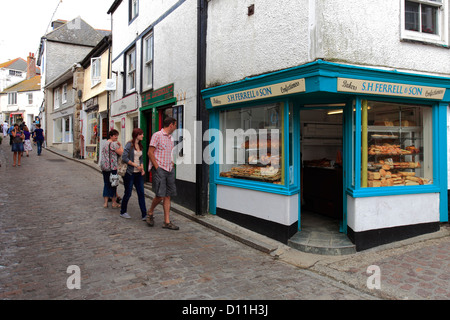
(322, 185)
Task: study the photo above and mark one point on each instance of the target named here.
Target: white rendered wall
(292, 33)
(268, 206)
(392, 211)
(175, 58)
(368, 33)
(238, 46)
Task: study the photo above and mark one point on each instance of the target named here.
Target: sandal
(150, 221)
(115, 205)
(170, 226)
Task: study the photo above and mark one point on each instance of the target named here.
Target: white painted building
(154, 62)
(332, 78)
(21, 101)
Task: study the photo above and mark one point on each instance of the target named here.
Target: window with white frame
(148, 61)
(56, 98)
(96, 71)
(30, 98)
(62, 130)
(425, 21)
(131, 70)
(64, 93)
(133, 9)
(12, 98)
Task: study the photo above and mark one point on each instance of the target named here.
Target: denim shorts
(17, 147)
(163, 183)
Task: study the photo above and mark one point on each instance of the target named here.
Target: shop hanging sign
(270, 91)
(389, 89)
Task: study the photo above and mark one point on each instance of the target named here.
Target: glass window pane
(429, 19)
(399, 142)
(412, 16)
(252, 143)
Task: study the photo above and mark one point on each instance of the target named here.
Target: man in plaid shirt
(163, 174)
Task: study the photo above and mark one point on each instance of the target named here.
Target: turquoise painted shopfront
(365, 146)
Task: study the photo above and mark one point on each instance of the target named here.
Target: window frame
(147, 62)
(96, 71)
(133, 10)
(30, 98)
(64, 94)
(354, 187)
(12, 98)
(56, 98)
(130, 73)
(441, 38)
(288, 187)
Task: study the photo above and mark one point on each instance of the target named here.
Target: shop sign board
(270, 91)
(389, 89)
(157, 95)
(124, 105)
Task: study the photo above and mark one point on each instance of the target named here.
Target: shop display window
(396, 145)
(92, 128)
(252, 143)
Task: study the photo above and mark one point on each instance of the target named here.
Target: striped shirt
(163, 144)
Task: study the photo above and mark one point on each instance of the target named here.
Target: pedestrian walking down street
(17, 144)
(132, 156)
(38, 135)
(110, 151)
(163, 173)
(27, 142)
(5, 127)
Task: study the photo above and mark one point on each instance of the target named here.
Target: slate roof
(32, 84)
(17, 64)
(77, 32)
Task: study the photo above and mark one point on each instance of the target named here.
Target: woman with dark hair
(111, 149)
(132, 155)
(17, 143)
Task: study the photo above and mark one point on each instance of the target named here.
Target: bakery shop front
(363, 146)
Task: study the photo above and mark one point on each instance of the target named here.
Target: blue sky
(24, 22)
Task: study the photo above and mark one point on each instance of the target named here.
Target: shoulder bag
(121, 167)
(113, 178)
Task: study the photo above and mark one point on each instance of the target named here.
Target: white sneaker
(125, 215)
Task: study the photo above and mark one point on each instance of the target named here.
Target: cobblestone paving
(419, 271)
(51, 217)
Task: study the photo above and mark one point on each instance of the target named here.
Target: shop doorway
(321, 178)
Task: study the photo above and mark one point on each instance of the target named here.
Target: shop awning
(14, 113)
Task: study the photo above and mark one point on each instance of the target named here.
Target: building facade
(94, 115)
(21, 102)
(60, 52)
(154, 62)
(333, 108)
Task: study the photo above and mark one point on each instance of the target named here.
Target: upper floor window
(56, 98)
(95, 71)
(148, 61)
(12, 98)
(133, 9)
(15, 73)
(131, 70)
(64, 93)
(30, 98)
(425, 21)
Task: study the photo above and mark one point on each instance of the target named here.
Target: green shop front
(362, 146)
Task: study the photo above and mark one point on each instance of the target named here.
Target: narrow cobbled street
(52, 218)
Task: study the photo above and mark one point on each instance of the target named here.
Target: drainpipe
(202, 170)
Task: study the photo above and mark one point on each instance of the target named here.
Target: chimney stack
(31, 66)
